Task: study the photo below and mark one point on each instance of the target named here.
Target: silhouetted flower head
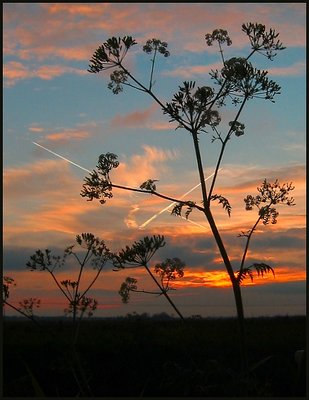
(156, 45)
(110, 53)
(262, 41)
(140, 253)
(219, 35)
(241, 79)
(192, 106)
(270, 194)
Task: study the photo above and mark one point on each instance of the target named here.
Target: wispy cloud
(15, 71)
(193, 70)
(135, 119)
(63, 135)
(35, 128)
(296, 69)
(52, 201)
(67, 136)
(148, 165)
(41, 32)
(140, 119)
(188, 71)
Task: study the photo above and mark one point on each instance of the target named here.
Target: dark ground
(142, 357)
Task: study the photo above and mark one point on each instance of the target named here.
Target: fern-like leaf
(260, 268)
(243, 274)
(224, 201)
(177, 209)
(190, 205)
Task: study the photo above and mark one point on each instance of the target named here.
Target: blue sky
(50, 98)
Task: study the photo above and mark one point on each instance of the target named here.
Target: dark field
(140, 357)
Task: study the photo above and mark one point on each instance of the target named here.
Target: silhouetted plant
(27, 305)
(139, 255)
(95, 253)
(6, 284)
(196, 109)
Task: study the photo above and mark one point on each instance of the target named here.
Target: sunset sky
(51, 99)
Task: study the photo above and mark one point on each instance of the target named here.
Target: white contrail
(63, 158)
(150, 219)
(174, 203)
(193, 222)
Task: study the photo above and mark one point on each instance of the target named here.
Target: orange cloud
(140, 168)
(35, 128)
(50, 196)
(221, 279)
(52, 202)
(240, 218)
(43, 206)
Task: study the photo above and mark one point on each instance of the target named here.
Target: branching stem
(223, 148)
(247, 244)
(155, 194)
(164, 292)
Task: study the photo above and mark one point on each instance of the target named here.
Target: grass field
(142, 357)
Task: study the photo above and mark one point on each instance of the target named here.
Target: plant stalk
(165, 294)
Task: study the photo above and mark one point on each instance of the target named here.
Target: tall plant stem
(200, 167)
(224, 255)
(58, 285)
(76, 294)
(236, 290)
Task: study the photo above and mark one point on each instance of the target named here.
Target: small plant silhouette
(96, 253)
(27, 306)
(139, 255)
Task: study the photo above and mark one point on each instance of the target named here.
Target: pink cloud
(67, 136)
(296, 69)
(134, 119)
(15, 71)
(80, 132)
(78, 9)
(141, 119)
(189, 71)
(49, 30)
